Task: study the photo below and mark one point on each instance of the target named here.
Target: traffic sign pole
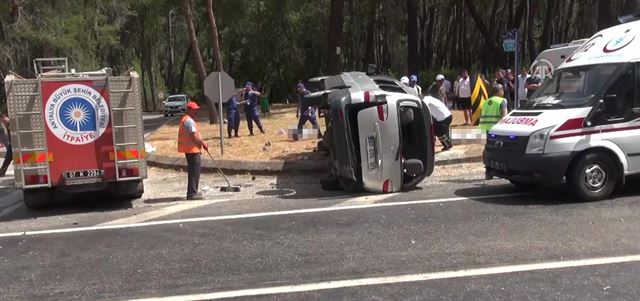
(517, 70)
(220, 86)
(221, 121)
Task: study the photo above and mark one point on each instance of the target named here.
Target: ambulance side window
(620, 98)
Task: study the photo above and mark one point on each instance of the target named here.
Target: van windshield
(573, 87)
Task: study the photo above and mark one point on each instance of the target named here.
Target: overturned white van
(582, 127)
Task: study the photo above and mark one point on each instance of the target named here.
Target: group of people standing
(250, 98)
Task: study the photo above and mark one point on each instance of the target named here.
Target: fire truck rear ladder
(123, 127)
(37, 104)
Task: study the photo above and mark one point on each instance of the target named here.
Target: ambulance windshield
(573, 87)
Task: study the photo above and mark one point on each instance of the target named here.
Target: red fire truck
(76, 132)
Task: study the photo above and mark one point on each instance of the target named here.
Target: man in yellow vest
(493, 109)
(191, 143)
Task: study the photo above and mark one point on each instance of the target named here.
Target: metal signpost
(511, 43)
(219, 86)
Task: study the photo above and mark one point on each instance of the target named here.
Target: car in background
(378, 134)
(175, 104)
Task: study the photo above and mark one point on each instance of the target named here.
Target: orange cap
(192, 106)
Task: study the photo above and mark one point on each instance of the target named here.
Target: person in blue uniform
(233, 115)
(251, 98)
(306, 113)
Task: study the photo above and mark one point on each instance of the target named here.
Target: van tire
(36, 199)
(350, 185)
(593, 176)
(330, 185)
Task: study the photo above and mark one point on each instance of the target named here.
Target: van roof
(617, 44)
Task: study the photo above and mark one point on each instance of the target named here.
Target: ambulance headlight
(537, 141)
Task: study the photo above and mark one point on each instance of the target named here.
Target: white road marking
(366, 199)
(255, 215)
(327, 285)
(161, 212)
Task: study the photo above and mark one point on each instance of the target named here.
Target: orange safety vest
(186, 144)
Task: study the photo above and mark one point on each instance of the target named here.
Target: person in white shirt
(464, 96)
(413, 83)
(443, 118)
(522, 86)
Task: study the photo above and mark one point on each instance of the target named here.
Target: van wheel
(350, 185)
(38, 198)
(330, 185)
(593, 177)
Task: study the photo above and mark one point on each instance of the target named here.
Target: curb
(273, 166)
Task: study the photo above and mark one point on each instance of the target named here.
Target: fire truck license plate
(82, 174)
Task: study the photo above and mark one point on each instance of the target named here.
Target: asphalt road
(152, 121)
(458, 237)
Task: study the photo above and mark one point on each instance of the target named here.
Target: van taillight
(387, 186)
(383, 112)
(368, 96)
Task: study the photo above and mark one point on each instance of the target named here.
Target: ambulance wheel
(593, 176)
(166, 115)
(38, 198)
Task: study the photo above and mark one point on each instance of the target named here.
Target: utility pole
(172, 61)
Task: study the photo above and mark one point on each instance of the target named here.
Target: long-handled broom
(228, 188)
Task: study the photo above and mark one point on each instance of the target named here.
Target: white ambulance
(582, 127)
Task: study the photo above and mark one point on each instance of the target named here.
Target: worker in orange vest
(190, 143)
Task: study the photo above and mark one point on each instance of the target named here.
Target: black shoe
(250, 134)
(446, 148)
(236, 136)
(195, 197)
(261, 131)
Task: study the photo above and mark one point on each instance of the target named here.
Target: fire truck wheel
(593, 176)
(129, 190)
(38, 198)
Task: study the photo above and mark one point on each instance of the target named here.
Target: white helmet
(404, 80)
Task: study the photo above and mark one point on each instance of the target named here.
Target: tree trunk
(370, 51)
(334, 40)
(606, 17)
(17, 6)
(197, 58)
(552, 6)
(629, 7)
(429, 37)
(533, 52)
(412, 37)
(215, 40)
(491, 43)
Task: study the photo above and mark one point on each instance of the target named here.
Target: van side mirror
(413, 167)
